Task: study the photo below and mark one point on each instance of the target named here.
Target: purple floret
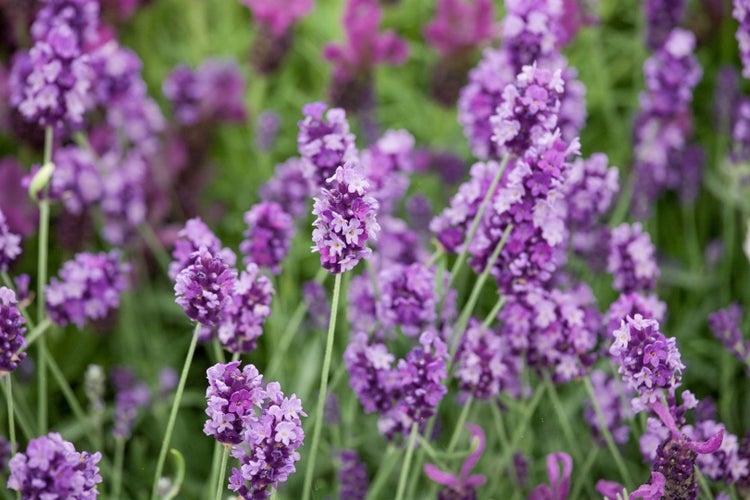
(10, 247)
(204, 288)
(631, 259)
(268, 236)
(12, 332)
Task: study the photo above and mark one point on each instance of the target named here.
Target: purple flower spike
(324, 140)
(268, 14)
(82, 16)
(76, 180)
(464, 486)
(662, 16)
(631, 259)
(10, 247)
(725, 324)
(194, 236)
(741, 13)
(268, 236)
(52, 468)
(12, 331)
(204, 288)
(88, 288)
(559, 485)
(407, 297)
(345, 220)
(292, 185)
(131, 394)
(352, 476)
(460, 25)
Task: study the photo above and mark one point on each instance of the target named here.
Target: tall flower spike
(12, 331)
(407, 297)
(631, 259)
(462, 486)
(662, 16)
(292, 185)
(345, 220)
(352, 476)
(204, 288)
(10, 247)
(192, 238)
(559, 484)
(268, 236)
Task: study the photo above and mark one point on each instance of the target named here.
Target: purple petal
(471, 460)
(711, 445)
(559, 485)
(441, 477)
(664, 414)
(653, 491)
(609, 489)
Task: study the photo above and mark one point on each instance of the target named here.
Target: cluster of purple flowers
(725, 324)
(662, 16)
(232, 397)
(88, 288)
(10, 247)
(404, 394)
(76, 181)
(741, 12)
(292, 185)
(191, 238)
(648, 361)
(725, 464)
(204, 288)
(246, 310)
(362, 311)
(385, 164)
(12, 331)
(352, 476)
(630, 304)
(631, 259)
(268, 236)
(213, 93)
(398, 243)
(345, 220)
(407, 297)
(52, 468)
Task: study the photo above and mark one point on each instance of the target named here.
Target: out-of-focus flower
(268, 236)
(464, 485)
(20, 214)
(291, 186)
(559, 483)
(268, 14)
(266, 129)
(609, 394)
(130, 395)
(631, 259)
(204, 288)
(12, 331)
(741, 13)
(191, 238)
(318, 305)
(10, 247)
(324, 140)
(352, 476)
(725, 324)
(662, 16)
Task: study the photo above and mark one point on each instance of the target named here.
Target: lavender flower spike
(204, 288)
(11, 332)
(268, 237)
(462, 486)
(9, 244)
(345, 220)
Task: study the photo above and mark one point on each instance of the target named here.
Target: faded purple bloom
(725, 324)
(372, 376)
(609, 394)
(204, 288)
(631, 259)
(386, 164)
(76, 180)
(12, 332)
(268, 14)
(88, 288)
(266, 129)
(324, 140)
(130, 395)
(345, 220)
(81, 15)
(662, 16)
(460, 25)
(352, 476)
(246, 311)
(318, 305)
(268, 236)
(485, 364)
(194, 236)
(399, 244)
(123, 201)
(52, 468)
(362, 314)
(232, 396)
(741, 12)
(590, 190)
(292, 185)
(419, 211)
(559, 483)
(20, 213)
(462, 486)
(648, 361)
(168, 380)
(212, 93)
(10, 247)
(407, 297)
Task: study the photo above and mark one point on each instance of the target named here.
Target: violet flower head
(559, 482)
(399, 244)
(88, 288)
(204, 288)
(268, 236)
(52, 468)
(10, 247)
(12, 332)
(591, 188)
(352, 476)
(292, 185)
(232, 397)
(276, 20)
(372, 375)
(630, 304)
(648, 361)
(76, 181)
(531, 30)
(407, 297)
(608, 392)
(460, 25)
(318, 305)
(362, 311)
(266, 130)
(246, 311)
(741, 12)
(324, 140)
(81, 15)
(194, 236)
(131, 394)
(386, 164)
(345, 220)
(212, 93)
(662, 16)
(725, 324)
(269, 449)
(463, 486)
(631, 259)
(485, 364)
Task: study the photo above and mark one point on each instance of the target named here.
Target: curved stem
(222, 472)
(11, 415)
(37, 332)
(173, 412)
(460, 424)
(117, 472)
(307, 489)
(407, 463)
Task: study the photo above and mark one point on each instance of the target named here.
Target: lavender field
(362, 249)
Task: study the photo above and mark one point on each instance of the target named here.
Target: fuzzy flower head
(76, 181)
(52, 468)
(324, 140)
(386, 164)
(232, 396)
(464, 485)
(460, 25)
(352, 476)
(531, 29)
(88, 288)
(278, 21)
(268, 236)
(630, 304)
(662, 16)
(82, 16)
(292, 185)
(631, 259)
(345, 220)
(131, 394)
(204, 288)
(10, 247)
(12, 331)
(649, 362)
(591, 188)
(407, 297)
(194, 236)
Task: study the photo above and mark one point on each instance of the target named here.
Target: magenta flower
(648, 491)
(278, 20)
(463, 485)
(460, 25)
(559, 486)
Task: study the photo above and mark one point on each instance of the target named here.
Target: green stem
(497, 416)
(41, 282)
(173, 412)
(70, 397)
(704, 484)
(477, 219)
(384, 471)
(460, 424)
(11, 414)
(222, 472)
(37, 332)
(117, 472)
(407, 463)
(562, 417)
(607, 435)
(307, 489)
(584, 475)
(215, 460)
(23, 423)
(494, 312)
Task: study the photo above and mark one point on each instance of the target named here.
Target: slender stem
(37, 332)
(173, 412)
(215, 460)
(117, 472)
(704, 484)
(41, 282)
(477, 219)
(584, 476)
(607, 435)
(494, 312)
(407, 463)
(307, 489)
(383, 472)
(562, 417)
(23, 423)
(222, 472)
(11, 415)
(497, 416)
(70, 397)
(460, 424)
